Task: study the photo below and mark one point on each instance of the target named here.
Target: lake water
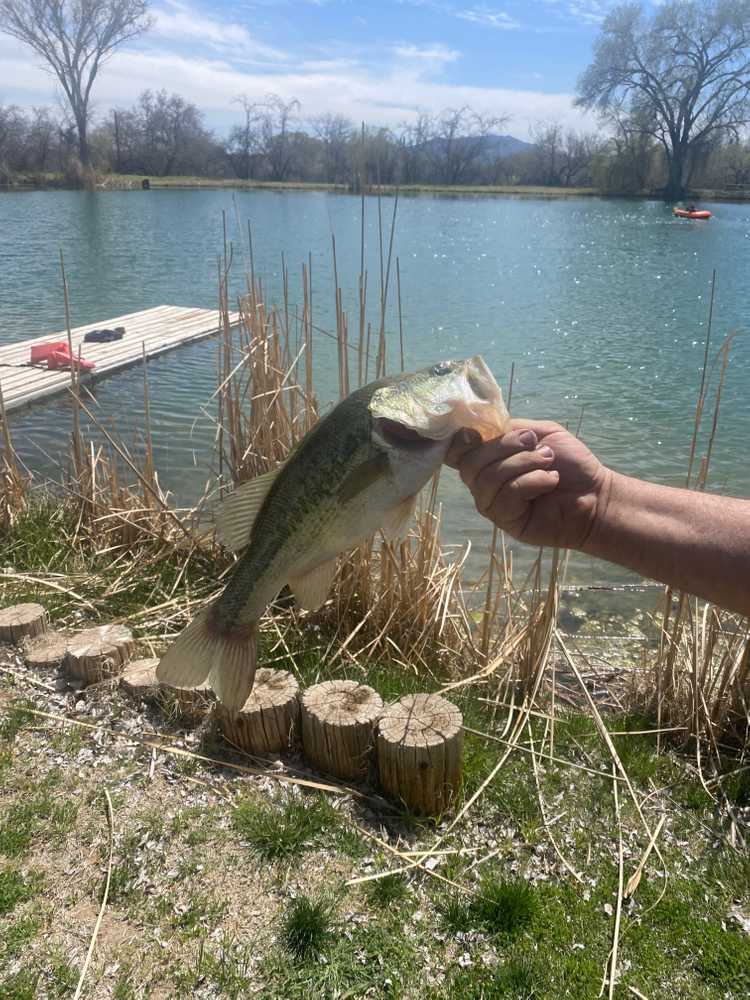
(601, 304)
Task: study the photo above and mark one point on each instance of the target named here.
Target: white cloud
(176, 21)
(427, 56)
(377, 84)
(500, 20)
(590, 12)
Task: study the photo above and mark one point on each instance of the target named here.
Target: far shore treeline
(670, 87)
(163, 135)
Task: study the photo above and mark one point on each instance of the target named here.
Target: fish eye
(443, 368)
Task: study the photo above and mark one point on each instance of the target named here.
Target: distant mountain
(496, 147)
(499, 146)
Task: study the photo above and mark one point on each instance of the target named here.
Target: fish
(358, 471)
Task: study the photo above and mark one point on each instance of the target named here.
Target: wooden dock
(152, 331)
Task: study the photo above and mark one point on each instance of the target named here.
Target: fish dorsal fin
(236, 513)
(396, 522)
(311, 589)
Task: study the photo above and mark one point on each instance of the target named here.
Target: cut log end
(190, 705)
(419, 745)
(337, 727)
(139, 678)
(45, 651)
(99, 653)
(268, 721)
(22, 620)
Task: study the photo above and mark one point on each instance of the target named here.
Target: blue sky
(381, 62)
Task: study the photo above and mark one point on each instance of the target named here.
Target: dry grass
(407, 603)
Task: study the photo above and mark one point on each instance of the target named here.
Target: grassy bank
(598, 838)
(127, 182)
(228, 883)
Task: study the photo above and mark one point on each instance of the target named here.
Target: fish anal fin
(311, 589)
(237, 512)
(396, 522)
(203, 651)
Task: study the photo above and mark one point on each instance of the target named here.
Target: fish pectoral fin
(236, 513)
(311, 589)
(396, 522)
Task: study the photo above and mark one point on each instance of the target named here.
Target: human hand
(538, 482)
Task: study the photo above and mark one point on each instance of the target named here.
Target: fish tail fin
(204, 650)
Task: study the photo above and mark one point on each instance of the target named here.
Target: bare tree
(277, 116)
(74, 38)
(243, 143)
(412, 139)
(336, 133)
(459, 139)
(682, 76)
(171, 132)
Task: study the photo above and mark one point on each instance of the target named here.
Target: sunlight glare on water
(601, 304)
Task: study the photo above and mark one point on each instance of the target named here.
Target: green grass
(17, 937)
(20, 986)
(17, 718)
(16, 888)
(515, 979)
(22, 821)
(307, 926)
(225, 969)
(39, 541)
(126, 869)
(373, 960)
(279, 833)
(387, 890)
(500, 907)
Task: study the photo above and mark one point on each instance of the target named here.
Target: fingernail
(546, 452)
(527, 439)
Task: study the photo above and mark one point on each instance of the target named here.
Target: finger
(495, 451)
(540, 427)
(463, 442)
(498, 475)
(510, 507)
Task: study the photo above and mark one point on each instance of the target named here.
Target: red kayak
(682, 213)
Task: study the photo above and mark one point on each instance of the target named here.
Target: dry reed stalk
(14, 484)
(699, 680)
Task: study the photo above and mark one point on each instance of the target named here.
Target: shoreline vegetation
(605, 807)
(132, 182)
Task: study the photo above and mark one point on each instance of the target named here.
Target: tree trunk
(99, 653)
(419, 745)
(676, 165)
(84, 153)
(268, 720)
(337, 723)
(22, 620)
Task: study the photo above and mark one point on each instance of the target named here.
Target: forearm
(693, 541)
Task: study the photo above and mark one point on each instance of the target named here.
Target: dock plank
(153, 331)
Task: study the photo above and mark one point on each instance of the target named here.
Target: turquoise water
(601, 304)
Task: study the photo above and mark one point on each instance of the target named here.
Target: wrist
(609, 499)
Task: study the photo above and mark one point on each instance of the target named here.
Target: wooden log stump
(268, 721)
(99, 653)
(47, 650)
(139, 678)
(419, 744)
(191, 705)
(337, 727)
(22, 620)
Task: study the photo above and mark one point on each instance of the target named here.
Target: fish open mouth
(400, 436)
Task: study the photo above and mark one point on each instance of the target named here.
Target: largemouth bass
(358, 471)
